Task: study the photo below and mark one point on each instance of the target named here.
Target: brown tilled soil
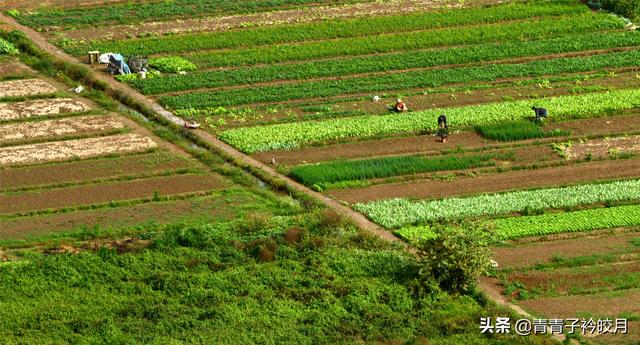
(107, 192)
(11, 67)
(310, 14)
(602, 148)
(427, 144)
(530, 254)
(122, 217)
(499, 182)
(564, 281)
(605, 304)
(97, 169)
(35, 4)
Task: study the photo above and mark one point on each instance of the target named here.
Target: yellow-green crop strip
(554, 223)
(294, 135)
(398, 213)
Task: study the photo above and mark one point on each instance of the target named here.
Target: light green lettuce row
(295, 135)
(397, 213)
(554, 223)
(542, 225)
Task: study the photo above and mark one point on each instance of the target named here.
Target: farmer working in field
(400, 106)
(443, 128)
(541, 113)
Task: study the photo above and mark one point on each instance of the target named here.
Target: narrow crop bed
(295, 135)
(554, 223)
(25, 88)
(520, 31)
(333, 29)
(397, 213)
(123, 14)
(517, 130)
(41, 107)
(338, 171)
(58, 127)
(404, 80)
(80, 148)
(380, 63)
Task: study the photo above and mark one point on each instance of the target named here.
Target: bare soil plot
(603, 148)
(497, 182)
(609, 304)
(13, 68)
(59, 127)
(79, 148)
(566, 281)
(41, 107)
(25, 87)
(35, 4)
(310, 14)
(530, 254)
(107, 192)
(428, 144)
(94, 169)
(214, 208)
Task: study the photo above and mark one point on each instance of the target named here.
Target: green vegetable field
(318, 171)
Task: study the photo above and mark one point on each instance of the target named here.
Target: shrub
(7, 48)
(625, 8)
(456, 259)
(172, 64)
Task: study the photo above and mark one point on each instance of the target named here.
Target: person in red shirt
(400, 106)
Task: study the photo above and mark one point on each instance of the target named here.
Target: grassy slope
(217, 284)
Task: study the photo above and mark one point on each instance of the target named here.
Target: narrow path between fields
(360, 220)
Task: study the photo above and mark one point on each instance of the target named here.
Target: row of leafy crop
(542, 225)
(140, 11)
(554, 223)
(333, 29)
(397, 212)
(381, 63)
(398, 81)
(517, 130)
(533, 29)
(363, 169)
(294, 135)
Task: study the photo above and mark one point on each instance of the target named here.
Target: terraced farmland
(309, 87)
(60, 153)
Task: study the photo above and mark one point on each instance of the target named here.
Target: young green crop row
(397, 213)
(333, 29)
(517, 130)
(136, 12)
(554, 223)
(393, 82)
(542, 225)
(294, 135)
(381, 63)
(364, 169)
(521, 30)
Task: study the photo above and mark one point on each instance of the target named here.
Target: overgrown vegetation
(302, 280)
(517, 130)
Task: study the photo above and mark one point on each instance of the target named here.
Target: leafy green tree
(455, 259)
(626, 8)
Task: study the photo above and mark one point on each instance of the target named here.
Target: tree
(456, 258)
(625, 8)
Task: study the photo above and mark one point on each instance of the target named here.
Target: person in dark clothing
(541, 113)
(443, 128)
